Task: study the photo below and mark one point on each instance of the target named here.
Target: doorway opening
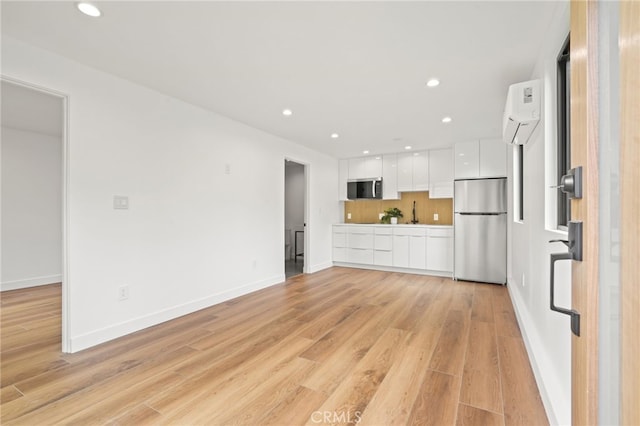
(295, 184)
(34, 147)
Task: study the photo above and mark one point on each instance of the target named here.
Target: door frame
(66, 299)
(307, 222)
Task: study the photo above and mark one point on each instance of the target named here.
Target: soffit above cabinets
(358, 69)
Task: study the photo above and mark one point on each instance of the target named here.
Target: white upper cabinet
(365, 167)
(441, 173)
(480, 159)
(467, 160)
(493, 158)
(413, 171)
(343, 176)
(390, 177)
(421, 171)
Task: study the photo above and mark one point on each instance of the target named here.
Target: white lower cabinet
(339, 244)
(383, 246)
(418, 252)
(415, 247)
(401, 251)
(440, 250)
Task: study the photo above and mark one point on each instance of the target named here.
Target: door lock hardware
(571, 183)
(574, 243)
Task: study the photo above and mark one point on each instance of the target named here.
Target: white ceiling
(31, 110)
(355, 68)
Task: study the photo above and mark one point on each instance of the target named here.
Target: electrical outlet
(435, 217)
(227, 169)
(348, 215)
(123, 292)
(380, 216)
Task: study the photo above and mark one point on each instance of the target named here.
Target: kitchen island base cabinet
(418, 249)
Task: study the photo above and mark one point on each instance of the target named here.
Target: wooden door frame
(584, 152)
(629, 43)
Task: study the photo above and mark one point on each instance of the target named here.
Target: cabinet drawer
(362, 256)
(339, 254)
(339, 240)
(417, 231)
(365, 230)
(383, 230)
(435, 232)
(383, 242)
(361, 241)
(383, 257)
(340, 229)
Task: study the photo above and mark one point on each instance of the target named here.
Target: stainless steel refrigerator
(480, 230)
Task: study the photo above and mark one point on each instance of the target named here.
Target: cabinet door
(467, 160)
(421, 171)
(343, 175)
(390, 177)
(440, 254)
(405, 172)
(372, 167)
(441, 173)
(417, 252)
(493, 158)
(401, 251)
(357, 168)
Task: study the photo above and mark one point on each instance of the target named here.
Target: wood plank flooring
(341, 346)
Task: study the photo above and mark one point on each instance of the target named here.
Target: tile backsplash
(367, 211)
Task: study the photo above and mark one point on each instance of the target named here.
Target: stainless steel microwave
(365, 189)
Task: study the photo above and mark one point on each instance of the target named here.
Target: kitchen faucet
(414, 220)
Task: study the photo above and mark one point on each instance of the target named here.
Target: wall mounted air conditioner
(522, 112)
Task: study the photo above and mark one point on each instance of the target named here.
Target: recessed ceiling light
(377, 158)
(287, 112)
(334, 136)
(446, 120)
(433, 82)
(88, 9)
(407, 147)
(365, 152)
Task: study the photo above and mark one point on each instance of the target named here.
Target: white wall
(194, 235)
(546, 333)
(31, 209)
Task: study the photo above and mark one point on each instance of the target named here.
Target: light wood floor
(339, 346)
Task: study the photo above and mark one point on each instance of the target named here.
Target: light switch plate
(120, 202)
(348, 215)
(435, 216)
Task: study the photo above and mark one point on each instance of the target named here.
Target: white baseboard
(102, 335)
(548, 385)
(30, 282)
(319, 267)
(395, 269)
